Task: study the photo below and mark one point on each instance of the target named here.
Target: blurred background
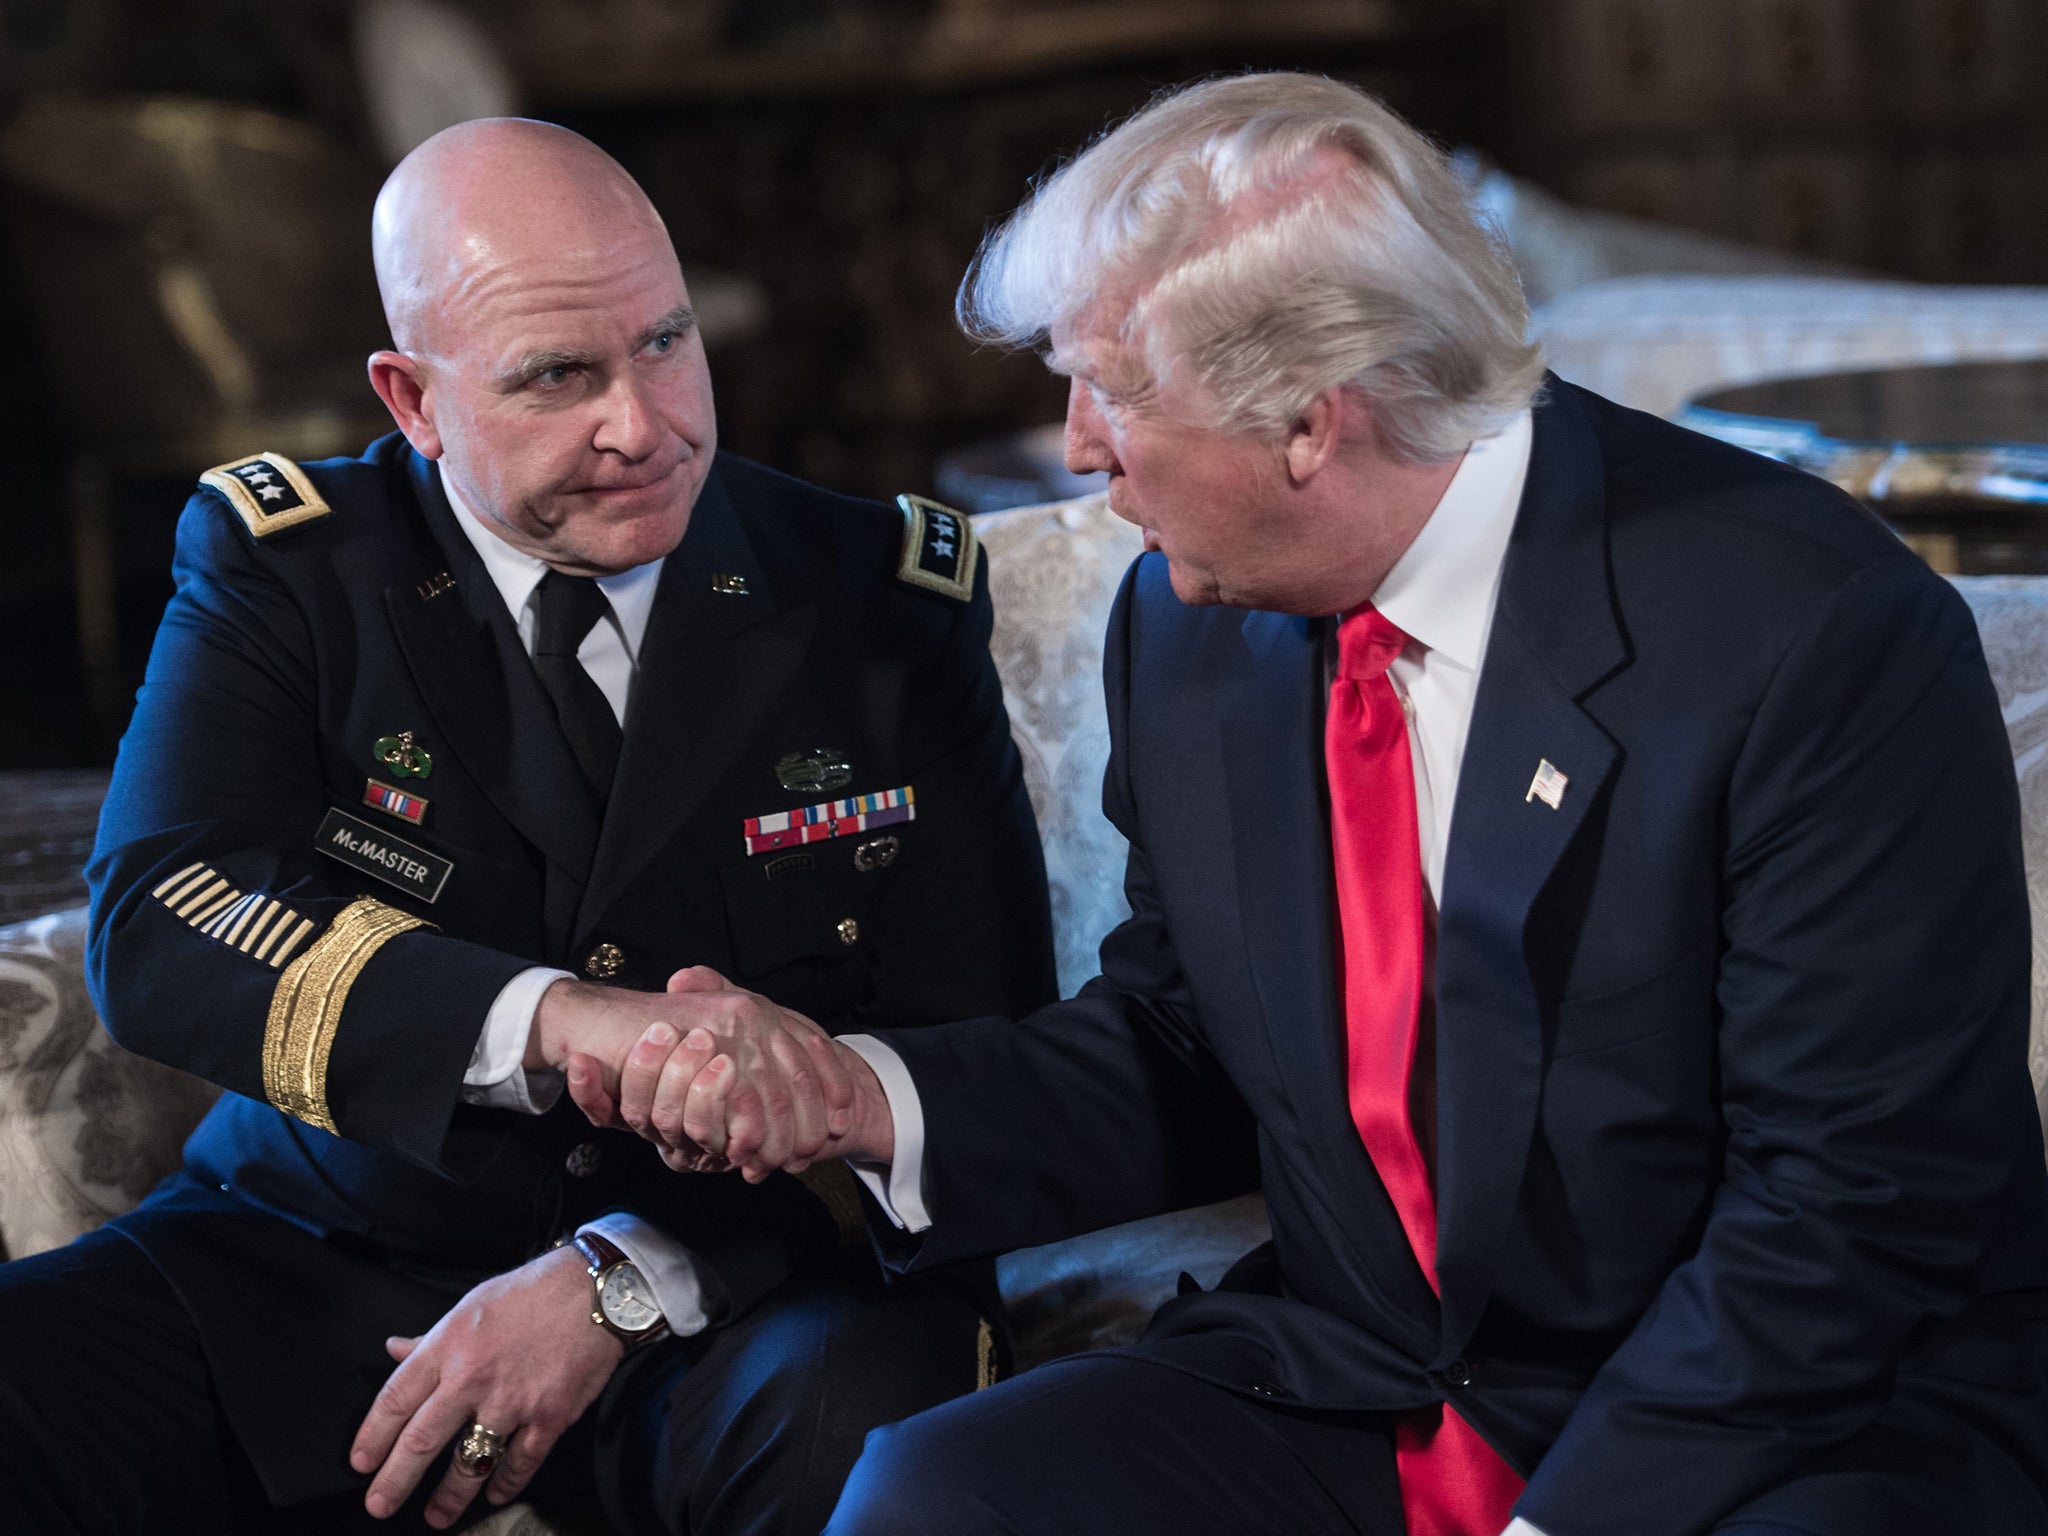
(185, 277)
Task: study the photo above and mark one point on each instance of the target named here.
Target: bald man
(448, 758)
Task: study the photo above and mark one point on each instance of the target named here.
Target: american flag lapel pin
(1547, 786)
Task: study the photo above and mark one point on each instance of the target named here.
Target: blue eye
(559, 374)
(664, 341)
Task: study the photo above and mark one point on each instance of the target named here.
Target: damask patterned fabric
(1053, 572)
(85, 1128)
(2012, 619)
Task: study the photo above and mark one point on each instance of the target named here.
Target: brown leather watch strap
(603, 1255)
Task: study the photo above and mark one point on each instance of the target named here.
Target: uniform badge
(394, 801)
(940, 552)
(813, 769)
(260, 926)
(406, 758)
(835, 818)
(729, 586)
(435, 585)
(1547, 786)
(876, 853)
(376, 853)
(268, 492)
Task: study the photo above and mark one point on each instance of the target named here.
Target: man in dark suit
(1648, 1144)
(536, 688)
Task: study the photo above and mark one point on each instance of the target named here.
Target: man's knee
(106, 1417)
(758, 1431)
(922, 1475)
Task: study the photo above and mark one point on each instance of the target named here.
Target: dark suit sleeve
(205, 850)
(1096, 1110)
(1874, 998)
(975, 937)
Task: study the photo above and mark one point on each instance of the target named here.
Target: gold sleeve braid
(305, 1011)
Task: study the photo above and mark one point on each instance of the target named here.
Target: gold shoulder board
(268, 492)
(939, 549)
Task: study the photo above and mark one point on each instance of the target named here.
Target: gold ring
(480, 1450)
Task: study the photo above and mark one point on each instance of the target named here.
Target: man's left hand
(518, 1355)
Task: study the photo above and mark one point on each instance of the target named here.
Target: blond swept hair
(1268, 237)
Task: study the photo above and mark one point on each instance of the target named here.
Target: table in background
(1954, 457)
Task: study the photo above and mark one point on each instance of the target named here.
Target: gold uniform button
(849, 931)
(605, 962)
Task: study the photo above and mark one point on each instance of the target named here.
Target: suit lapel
(466, 660)
(1555, 637)
(712, 665)
(1280, 842)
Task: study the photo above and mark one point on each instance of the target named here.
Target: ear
(1313, 438)
(402, 384)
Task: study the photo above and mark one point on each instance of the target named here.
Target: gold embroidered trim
(259, 926)
(984, 1356)
(176, 880)
(955, 554)
(305, 1011)
(251, 497)
(839, 1192)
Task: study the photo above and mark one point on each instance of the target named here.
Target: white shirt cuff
(685, 1294)
(496, 1078)
(1519, 1527)
(898, 1188)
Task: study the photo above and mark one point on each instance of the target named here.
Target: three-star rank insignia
(268, 492)
(940, 552)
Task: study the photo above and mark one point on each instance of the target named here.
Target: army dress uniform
(346, 816)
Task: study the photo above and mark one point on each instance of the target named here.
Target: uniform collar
(516, 573)
(1442, 591)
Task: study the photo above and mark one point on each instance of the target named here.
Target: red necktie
(1452, 1482)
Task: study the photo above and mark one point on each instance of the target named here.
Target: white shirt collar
(516, 573)
(1441, 592)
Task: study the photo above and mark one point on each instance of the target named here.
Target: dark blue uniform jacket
(283, 661)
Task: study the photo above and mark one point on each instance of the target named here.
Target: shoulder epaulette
(939, 549)
(268, 492)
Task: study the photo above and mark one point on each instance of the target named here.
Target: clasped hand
(727, 1079)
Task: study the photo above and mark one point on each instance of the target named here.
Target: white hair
(1275, 236)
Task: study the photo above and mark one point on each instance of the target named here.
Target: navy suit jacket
(1736, 1142)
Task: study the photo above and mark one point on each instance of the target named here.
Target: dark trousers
(109, 1421)
(1115, 1445)
(1122, 1447)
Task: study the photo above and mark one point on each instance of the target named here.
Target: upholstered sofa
(85, 1129)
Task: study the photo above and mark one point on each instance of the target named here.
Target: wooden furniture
(1955, 457)
(1900, 134)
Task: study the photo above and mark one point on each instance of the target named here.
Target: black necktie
(567, 607)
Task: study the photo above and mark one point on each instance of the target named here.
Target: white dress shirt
(496, 1077)
(1441, 593)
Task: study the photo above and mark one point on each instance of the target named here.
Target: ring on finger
(480, 1450)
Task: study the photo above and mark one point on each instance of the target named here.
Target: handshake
(715, 1076)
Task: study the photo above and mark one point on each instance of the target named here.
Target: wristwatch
(625, 1302)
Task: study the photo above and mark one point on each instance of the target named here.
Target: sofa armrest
(86, 1129)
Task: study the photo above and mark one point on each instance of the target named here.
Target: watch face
(626, 1300)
